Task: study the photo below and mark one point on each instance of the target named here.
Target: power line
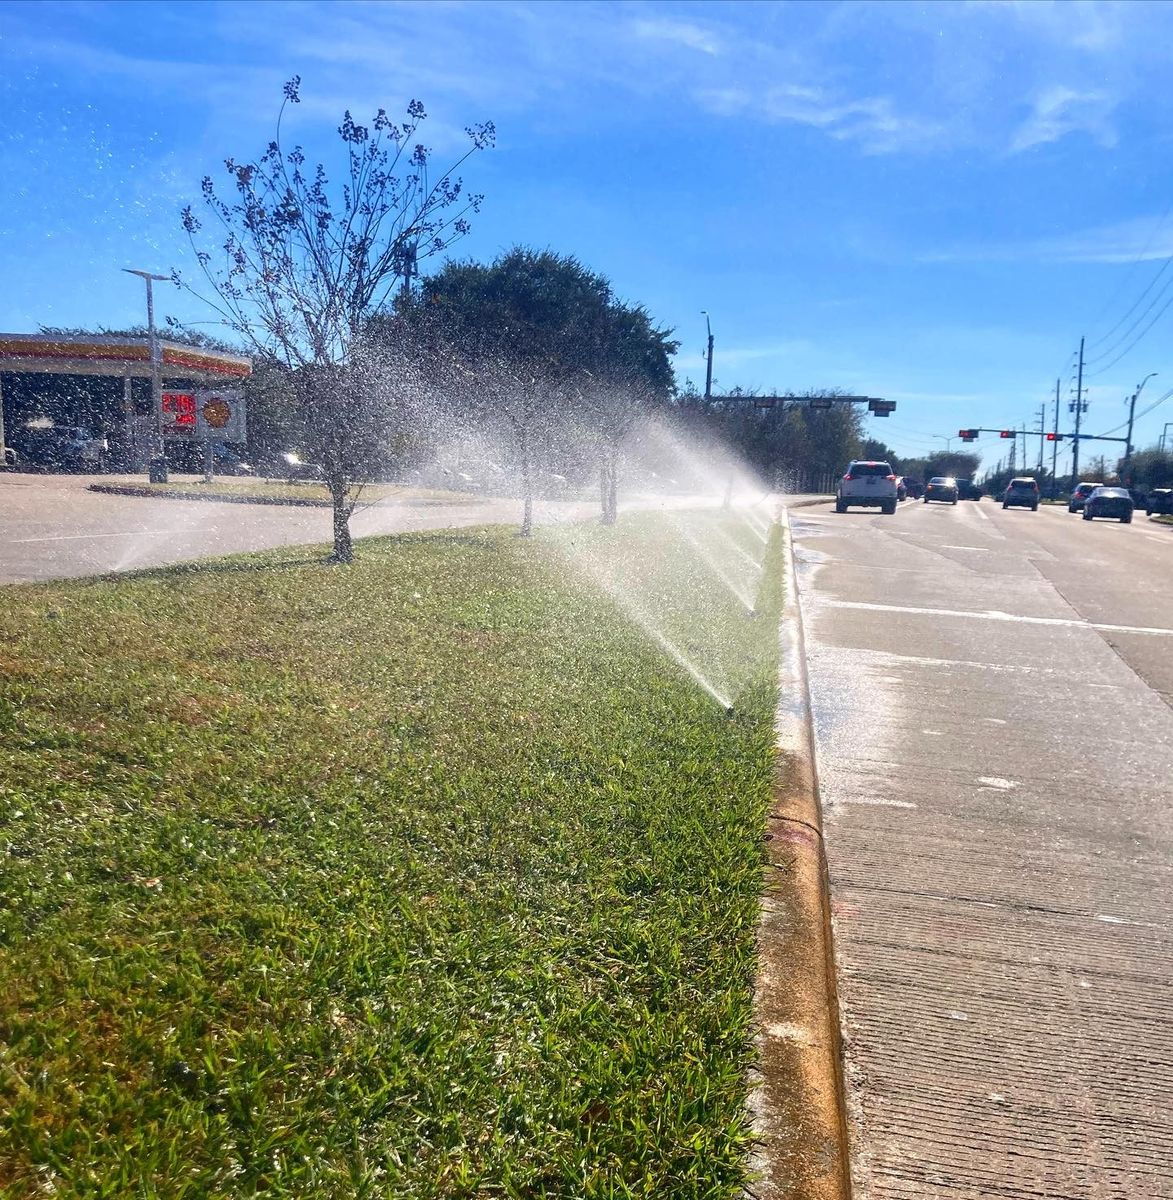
(1128, 275)
(1139, 337)
(1140, 416)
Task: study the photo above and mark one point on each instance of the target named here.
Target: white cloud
(1141, 238)
(680, 33)
(872, 122)
(1060, 110)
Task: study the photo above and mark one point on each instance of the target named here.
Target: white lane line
(984, 516)
(983, 549)
(994, 615)
(73, 537)
(880, 802)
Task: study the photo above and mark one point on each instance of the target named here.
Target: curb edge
(799, 1101)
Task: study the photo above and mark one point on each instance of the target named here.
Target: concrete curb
(130, 489)
(799, 1101)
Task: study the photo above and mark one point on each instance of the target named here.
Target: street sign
(821, 402)
(881, 408)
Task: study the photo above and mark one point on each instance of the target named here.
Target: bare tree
(305, 263)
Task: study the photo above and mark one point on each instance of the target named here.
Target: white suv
(868, 485)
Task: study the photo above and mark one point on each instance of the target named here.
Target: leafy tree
(302, 264)
(545, 347)
(1152, 468)
(956, 463)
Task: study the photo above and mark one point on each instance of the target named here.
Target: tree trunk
(527, 519)
(613, 487)
(343, 546)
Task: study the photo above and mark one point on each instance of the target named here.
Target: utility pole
(1042, 432)
(1164, 433)
(1055, 447)
(708, 358)
(1131, 416)
(1078, 414)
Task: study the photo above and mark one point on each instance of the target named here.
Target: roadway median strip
(430, 868)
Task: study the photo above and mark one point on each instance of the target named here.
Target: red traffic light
(967, 435)
(1006, 433)
(1054, 437)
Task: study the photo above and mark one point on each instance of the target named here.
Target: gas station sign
(205, 416)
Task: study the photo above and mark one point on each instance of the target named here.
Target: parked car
(64, 447)
(1022, 493)
(968, 490)
(867, 484)
(943, 488)
(1114, 502)
(296, 471)
(1080, 494)
(1159, 500)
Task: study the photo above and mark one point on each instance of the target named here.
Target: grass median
(432, 876)
(278, 491)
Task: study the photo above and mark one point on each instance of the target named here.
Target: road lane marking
(880, 802)
(984, 516)
(73, 537)
(994, 615)
(983, 549)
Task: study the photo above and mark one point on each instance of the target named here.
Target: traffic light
(1007, 433)
(1054, 437)
(967, 435)
(881, 408)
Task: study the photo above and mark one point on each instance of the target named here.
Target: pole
(1164, 432)
(709, 361)
(1131, 416)
(1078, 415)
(1055, 448)
(1042, 433)
(156, 376)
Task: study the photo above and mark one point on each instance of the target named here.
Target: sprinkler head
(729, 710)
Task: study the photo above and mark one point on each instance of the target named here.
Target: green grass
(1163, 518)
(276, 490)
(431, 876)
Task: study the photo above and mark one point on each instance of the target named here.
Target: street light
(1164, 432)
(156, 380)
(947, 440)
(1131, 414)
(708, 357)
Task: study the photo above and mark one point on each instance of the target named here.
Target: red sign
(179, 414)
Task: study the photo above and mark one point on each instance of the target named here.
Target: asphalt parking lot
(993, 695)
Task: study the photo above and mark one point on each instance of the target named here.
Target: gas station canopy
(119, 357)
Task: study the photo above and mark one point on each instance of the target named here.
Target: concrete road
(994, 706)
(51, 527)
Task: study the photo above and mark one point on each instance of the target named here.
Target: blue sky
(928, 202)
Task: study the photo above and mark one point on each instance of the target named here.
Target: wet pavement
(993, 695)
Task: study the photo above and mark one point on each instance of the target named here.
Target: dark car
(1080, 494)
(1114, 502)
(901, 488)
(1021, 493)
(942, 488)
(1159, 500)
(968, 490)
(914, 487)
